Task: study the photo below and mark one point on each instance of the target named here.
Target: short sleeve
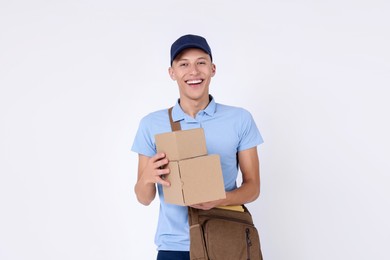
(249, 133)
(144, 140)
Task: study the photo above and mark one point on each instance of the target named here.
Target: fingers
(158, 156)
(161, 177)
(158, 172)
(200, 206)
(161, 163)
(164, 183)
(207, 205)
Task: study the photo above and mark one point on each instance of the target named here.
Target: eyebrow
(186, 59)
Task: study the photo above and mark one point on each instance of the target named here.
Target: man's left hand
(207, 205)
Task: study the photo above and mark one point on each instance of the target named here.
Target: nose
(194, 69)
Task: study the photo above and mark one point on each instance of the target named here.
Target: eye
(183, 64)
(202, 62)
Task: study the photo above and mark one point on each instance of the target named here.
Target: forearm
(145, 192)
(246, 193)
(250, 187)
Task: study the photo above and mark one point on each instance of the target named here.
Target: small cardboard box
(183, 144)
(195, 177)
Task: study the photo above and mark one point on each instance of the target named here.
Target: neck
(192, 107)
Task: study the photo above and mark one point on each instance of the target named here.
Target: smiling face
(192, 70)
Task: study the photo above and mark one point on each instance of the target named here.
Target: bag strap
(193, 216)
(174, 125)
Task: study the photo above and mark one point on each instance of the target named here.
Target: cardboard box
(183, 144)
(195, 180)
(195, 177)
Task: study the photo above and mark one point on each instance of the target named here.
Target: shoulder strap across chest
(174, 125)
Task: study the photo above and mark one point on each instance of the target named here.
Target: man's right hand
(151, 170)
(154, 170)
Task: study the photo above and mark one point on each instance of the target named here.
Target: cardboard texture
(195, 177)
(183, 144)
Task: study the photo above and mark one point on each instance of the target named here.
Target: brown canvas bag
(221, 234)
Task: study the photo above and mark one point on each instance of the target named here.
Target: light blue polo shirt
(228, 130)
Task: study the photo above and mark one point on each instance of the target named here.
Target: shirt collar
(178, 114)
(211, 107)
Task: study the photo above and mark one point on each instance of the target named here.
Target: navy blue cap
(189, 41)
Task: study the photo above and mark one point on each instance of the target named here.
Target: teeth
(197, 81)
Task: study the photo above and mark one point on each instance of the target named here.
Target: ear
(171, 73)
(213, 69)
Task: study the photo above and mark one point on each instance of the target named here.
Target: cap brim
(187, 46)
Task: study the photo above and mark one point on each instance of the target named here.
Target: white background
(77, 76)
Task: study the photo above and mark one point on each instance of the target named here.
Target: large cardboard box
(195, 177)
